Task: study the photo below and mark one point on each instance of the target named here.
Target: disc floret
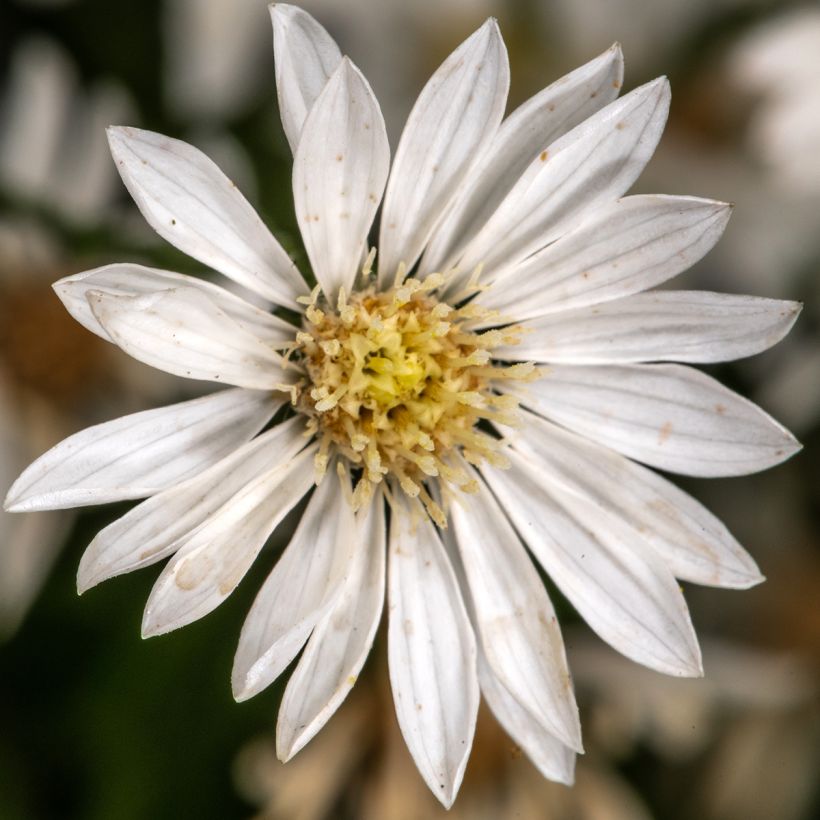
(397, 382)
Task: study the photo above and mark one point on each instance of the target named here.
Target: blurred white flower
(772, 242)
(217, 56)
(28, 543)
(649, 32)
(402, 386)
(52, 146)
(752, 725)
(780, 62)
(678, 718)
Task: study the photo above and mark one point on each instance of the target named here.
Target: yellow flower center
(397, 383)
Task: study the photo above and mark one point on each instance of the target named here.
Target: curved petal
(667, 325)
(340, 643)
(514, 618)
(209, 565)
(141, 454)
(305, 56)
(126, 279)
(531, 127)
(621, 588)
(298, 593)
(620, 248)
(595, 162)
(339, 173)
(155, 528)
(665, 415)
(454, 119)
(190, 203)
(693, 543)
(431, 653)
(181, 331)
(553, 759)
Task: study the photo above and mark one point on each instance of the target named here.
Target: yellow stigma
(397, 383)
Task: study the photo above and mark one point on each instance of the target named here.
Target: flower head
(490, 378)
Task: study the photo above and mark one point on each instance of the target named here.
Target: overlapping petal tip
(535, 124)
(595, 162)
(619, 248)
(339, 173)
(454, 119)
(554, 759)
(619, 586)
(212, 561)
(190, 203)
(156, 528)
(515, 621)
(127, 279)
(692, 542)
(301, 589)
(306, 56)
(340, 643)
(550, 756)
(184, 332)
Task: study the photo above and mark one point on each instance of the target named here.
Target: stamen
(367, 267)
(314, 315)
(433, 509)
(321, 458)
(311, 299)
(401, 273)
(396, 384)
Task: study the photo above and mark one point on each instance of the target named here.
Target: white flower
(404, 383)
(52, 146)
(779, 61)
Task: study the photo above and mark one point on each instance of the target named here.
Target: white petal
(595, 162)
(693, 543)
(340, 643)
(620, 248)
(189, 202)
(154, 529)
(182, 331)
(530, 128)
(126, 279)
(431, 654)
(140, 454)
(454, 119)
(339, 173)
(619, 586)
(306, 55)
(515, 621)
(668, 416)
(683, 326)
(552, 758)
(299, 591)
(209, 564)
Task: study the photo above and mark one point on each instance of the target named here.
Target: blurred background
(99, 725)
